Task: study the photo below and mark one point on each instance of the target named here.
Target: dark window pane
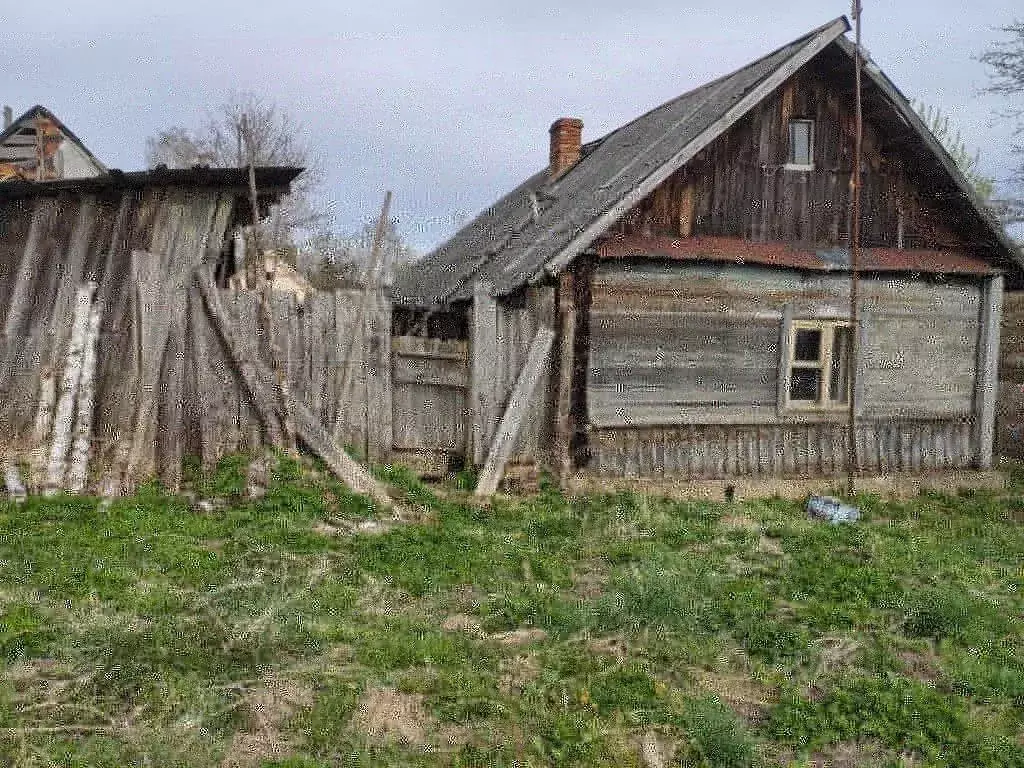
(808, 345)
(839, 381)
(800, 142)
(804, 384)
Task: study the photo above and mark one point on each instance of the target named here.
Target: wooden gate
(430, 380)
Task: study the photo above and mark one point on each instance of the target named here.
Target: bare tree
(952, 141)
(247, 128)
(1005, 61)
(333, 260)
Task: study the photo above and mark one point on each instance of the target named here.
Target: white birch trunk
(79, 469)
(57, 467)
(44, 424)
(12, 481)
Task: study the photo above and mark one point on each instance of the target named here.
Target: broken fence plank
(62, 423)
(308, 428)
(511, 424)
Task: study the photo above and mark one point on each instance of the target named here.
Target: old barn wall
(685, 360)
(138, 246)
(739, 186)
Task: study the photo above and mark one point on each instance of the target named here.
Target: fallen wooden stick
(308, 429)
(12, 481)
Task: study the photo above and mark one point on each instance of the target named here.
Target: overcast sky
(449, 105)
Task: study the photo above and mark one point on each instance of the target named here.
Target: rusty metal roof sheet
(728, 250)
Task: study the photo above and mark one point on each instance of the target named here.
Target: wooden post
(567, 340)
(987, 386)
(511, 425)
(371, 286)
(484, 351)
(379, 426)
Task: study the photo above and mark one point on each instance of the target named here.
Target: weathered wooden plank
(484, 360)
(512, 421)
(988, 371)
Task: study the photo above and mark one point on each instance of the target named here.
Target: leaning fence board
(512, 421)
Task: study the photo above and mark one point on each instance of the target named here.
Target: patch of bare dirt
(267, 707)
(737, 521)
(748, 698)
(854, 754)
(656, 751)
(922, 666)
(769, 546)
(516, 673)
(589, 584)
(388, 715)
(461, 622)
(518, 637)
(612, 645)
(379, 598)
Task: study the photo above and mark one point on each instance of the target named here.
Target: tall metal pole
(855, 181)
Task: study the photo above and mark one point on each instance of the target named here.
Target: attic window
(801, 145)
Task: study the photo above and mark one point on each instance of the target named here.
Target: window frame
(793, 166)
(824, 401)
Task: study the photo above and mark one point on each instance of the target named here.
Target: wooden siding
(717, 451)
(739, 186)
(1010, 408)
(699, 346)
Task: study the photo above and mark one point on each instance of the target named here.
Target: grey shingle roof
(540, 226)
(507, 245)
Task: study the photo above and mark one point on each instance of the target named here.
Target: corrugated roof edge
(273, 177)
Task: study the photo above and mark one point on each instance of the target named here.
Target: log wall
(685, 369)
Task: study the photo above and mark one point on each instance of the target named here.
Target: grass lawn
(604, 631)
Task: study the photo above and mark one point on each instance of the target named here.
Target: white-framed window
(801, 145)
(818, 368)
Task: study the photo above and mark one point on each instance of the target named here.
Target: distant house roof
(542, 225)
(9, 136)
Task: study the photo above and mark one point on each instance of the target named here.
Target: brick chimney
(8, 116)
(566, 138)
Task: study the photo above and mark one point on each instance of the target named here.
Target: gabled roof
(40, 111)
(541, 226)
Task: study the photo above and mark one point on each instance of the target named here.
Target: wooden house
(673, 299)
(37, 146)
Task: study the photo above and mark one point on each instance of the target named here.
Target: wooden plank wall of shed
(53, 243)
(1010, 409)
(739, 187)
(684, 369)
